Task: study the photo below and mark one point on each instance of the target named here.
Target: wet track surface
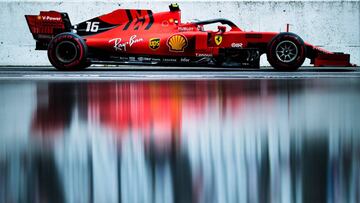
(128, 72)
(179, 136)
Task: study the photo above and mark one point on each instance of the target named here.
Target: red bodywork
(165, 26)
(131, 32)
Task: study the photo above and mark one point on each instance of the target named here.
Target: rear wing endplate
(46, 26)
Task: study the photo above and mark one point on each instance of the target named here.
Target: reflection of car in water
(150, 111)
(54, 109)
(141, 36)
(215, 141)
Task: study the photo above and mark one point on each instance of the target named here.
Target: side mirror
(222, 28)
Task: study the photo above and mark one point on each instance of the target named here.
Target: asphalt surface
(137, 72)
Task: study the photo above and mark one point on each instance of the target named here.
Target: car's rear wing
(46, 26)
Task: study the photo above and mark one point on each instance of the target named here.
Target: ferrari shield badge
(218, 39)
(177, 43)
(154, 43)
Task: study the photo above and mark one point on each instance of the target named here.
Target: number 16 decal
(92, 26)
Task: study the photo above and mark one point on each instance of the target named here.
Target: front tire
(286, 52)
(68, 51)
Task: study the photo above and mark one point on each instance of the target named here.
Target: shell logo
(177, 43)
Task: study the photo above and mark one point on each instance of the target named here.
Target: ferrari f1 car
(141, 36)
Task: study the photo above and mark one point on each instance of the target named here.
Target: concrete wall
(334, 25)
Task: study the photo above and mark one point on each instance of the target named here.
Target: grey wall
(334, 25)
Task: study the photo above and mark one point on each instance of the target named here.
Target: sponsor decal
(177, 43)
(143, 59)
(49, 18)
(169, 60)
(184, 60)
(146, 59)
(122, 46)
(124, 58)
(155, 59)
(120, 58)
(236, 45)
(218, 39)
(184, 29)
(154, 43)
(203, 55)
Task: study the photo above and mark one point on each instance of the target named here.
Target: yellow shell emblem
(177, 43)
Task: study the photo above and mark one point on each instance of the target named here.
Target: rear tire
(68, 51)
(286, 52)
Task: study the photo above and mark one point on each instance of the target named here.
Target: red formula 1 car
(141, 36)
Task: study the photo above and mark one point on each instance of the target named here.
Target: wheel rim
(286, 51)
(66, 52)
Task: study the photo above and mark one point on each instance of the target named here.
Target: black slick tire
(68, 51)
(286, 52)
